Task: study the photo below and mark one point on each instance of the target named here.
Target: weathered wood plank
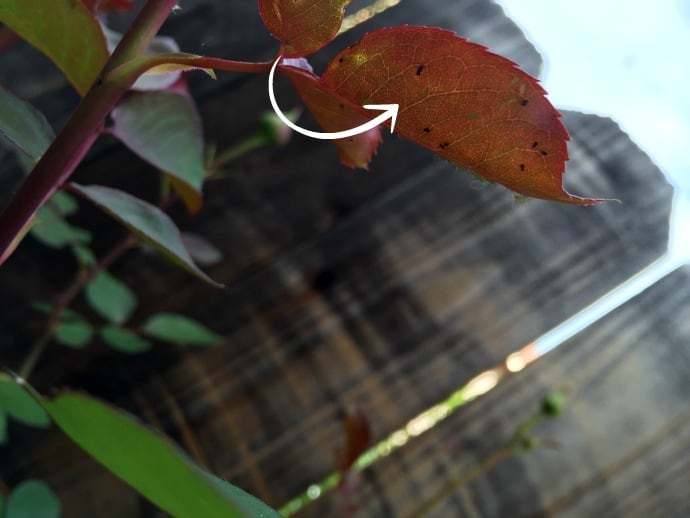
(386, 289)
(625, 436)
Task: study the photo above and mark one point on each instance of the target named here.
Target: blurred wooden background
(388, 290)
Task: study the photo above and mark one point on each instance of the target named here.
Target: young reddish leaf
(65, 31)
(164, 129)
(302, 26)
(145, 220)
(336, 113)
(357, 438)
(472, 107)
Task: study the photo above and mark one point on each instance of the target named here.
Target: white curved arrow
(390, 111)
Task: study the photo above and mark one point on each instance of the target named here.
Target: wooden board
(387, 289)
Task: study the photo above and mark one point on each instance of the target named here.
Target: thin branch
(123, 74)
(64, 299)
(72, 143)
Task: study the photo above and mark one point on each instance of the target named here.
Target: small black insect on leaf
(523, 102)
(522, 167)
(444, 145)
(427, 129)
(535, 144)
(419, 69)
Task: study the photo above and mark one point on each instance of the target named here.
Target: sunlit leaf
(32, 499)
(76, 334)
(17, 404)
(146, 220)
(112, 299)
(165, 130)
(179, 329)
(23, 125)
(146, 460)
(65, 31)
(473, 108)
(335, 113)
(123, 340)
(302, 27)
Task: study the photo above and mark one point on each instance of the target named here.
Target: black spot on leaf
(522, 167)
(427, 129)
(524, 102)
(535, 144)
(419, 69)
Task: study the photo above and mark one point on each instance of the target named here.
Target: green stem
(76, 138)
(139, 35)
(139, 65)
(236, 151)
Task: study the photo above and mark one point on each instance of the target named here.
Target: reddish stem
(7, 38)
(80, 132)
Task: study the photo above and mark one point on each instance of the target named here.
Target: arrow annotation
(390, 111)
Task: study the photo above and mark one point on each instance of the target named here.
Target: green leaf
(74, 334)
(66, 315)
(110, 298)
(180, 330)
(257, 508)
(200, 249)
(3, 438)
(32, 499)
(84, 255)
(145, 220)
(123, 340)
(65, 31)
(146, 460)
(159, 45)
(51, 230)
(164, 128)
(23, 125)
(64, 203)
(16, 403)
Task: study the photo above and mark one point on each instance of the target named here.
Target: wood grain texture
(624, 436)
(388, 289)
